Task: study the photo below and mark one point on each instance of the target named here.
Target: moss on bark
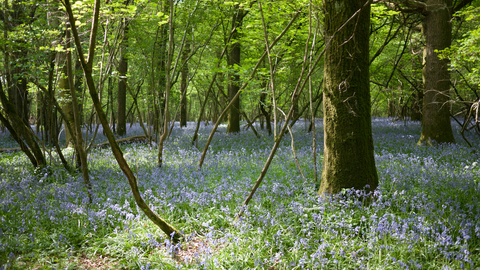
(348, 150)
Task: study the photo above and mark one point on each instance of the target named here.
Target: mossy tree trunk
(348, 148)
(437, 31)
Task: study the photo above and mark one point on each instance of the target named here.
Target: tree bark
(66, 101)
(22, 130)
(183, 85)
(263, 97)
(122, 86)
(15, 58)
(15, 136)
(348, 147)
(233, 60)
(168, 84)
(437, 31)
(416, 109)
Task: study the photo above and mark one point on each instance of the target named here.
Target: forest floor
(426, 212)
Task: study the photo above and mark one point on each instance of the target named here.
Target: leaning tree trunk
(87, 67)
(348, 156)
(437, 30)
(234, 77)
(22, 130)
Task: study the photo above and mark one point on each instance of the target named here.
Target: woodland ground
(426, 214)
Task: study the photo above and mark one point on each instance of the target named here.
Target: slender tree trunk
(66, 101)
(50, 111)
(168, 84)
(22, 130)
(15, 136)
(162, 66)
(234, 77)
(76, 120)
(348, 147)
(78, 77)
(172, 232)
(437, 31)
(122, 86)
(416, 109)
(183, 85)
(263, 97)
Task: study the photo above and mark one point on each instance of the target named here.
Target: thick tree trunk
(234, 77)
(437, 30)
(348, 148)
(15, 59)
(17, 92)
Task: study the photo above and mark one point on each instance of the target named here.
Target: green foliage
(464, 53)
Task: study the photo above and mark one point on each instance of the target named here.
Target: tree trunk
(437, 30)
(162, 66)
(76, 120)
(22, 130)
(233, 60)
(348, 156)
(416, 109)
(168, 84)
(15, 56)
(15, 136)
(17, 92)
(66, 102)
(263, 97)
(183, 85)
(391, 108)
(122, 86)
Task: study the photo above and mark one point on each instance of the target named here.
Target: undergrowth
(424, 215)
